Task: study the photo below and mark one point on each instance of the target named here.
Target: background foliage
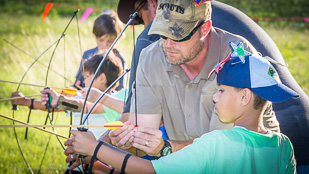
(273, 8)
(254, 8)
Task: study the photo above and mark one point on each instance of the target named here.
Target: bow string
(14, 107)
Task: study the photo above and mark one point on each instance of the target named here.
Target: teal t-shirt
(110, 114)
(234, 150)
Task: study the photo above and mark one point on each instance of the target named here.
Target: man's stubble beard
(194, 51)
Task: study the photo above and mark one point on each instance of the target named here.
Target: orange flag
(46, 10)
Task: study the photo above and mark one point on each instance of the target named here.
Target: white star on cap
(239, 52)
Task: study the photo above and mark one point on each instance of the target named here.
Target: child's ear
(246, 96)
(102, 78)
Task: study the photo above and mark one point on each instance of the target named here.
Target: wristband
(31, 104)
(124, 163)
(94, 156)
(112, 171)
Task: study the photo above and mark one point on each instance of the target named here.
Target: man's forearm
(178, 145)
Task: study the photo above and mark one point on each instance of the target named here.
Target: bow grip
(83, 129)
(48, 103)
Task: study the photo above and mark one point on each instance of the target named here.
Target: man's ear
(206, 27)
(153, 2)
(153, 5)
(245, 96)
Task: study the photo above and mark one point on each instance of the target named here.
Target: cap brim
(275, 93)
(170, 29)
(125, 9)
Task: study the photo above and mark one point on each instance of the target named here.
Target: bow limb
(48, 105)
(19, 49)
(14, 107)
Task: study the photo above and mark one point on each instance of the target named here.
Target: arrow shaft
(15, 98)
(28, 84)
(47, 131)
(59, 126)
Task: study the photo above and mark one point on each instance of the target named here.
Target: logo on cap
(239, 52)
(272, 72)
(176, 30)
(172, 7)
(166, 14)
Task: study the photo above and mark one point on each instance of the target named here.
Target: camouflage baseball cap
(175, 19)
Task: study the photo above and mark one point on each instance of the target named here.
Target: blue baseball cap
(257, 74)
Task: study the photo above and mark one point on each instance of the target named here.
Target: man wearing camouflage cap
(172, 82)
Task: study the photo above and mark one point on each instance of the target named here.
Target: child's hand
(21, 101)
(84, 143)
(72, 156)
(77, 83)
(93, 95)
(54, 95)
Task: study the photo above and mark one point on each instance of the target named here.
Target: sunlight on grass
(34, 146)
(33, 36)
(293, 45)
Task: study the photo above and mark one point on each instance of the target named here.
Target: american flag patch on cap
(198, 2)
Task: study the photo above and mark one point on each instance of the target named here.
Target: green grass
(34, 146)
(293, 45)
(32, 35)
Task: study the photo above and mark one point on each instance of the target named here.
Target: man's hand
(148, 140)
(54, 95)
(122, 137)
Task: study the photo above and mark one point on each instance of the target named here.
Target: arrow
(28, 84)
(60, 126)
(47, 131)
(114, 125)
(15, 98)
